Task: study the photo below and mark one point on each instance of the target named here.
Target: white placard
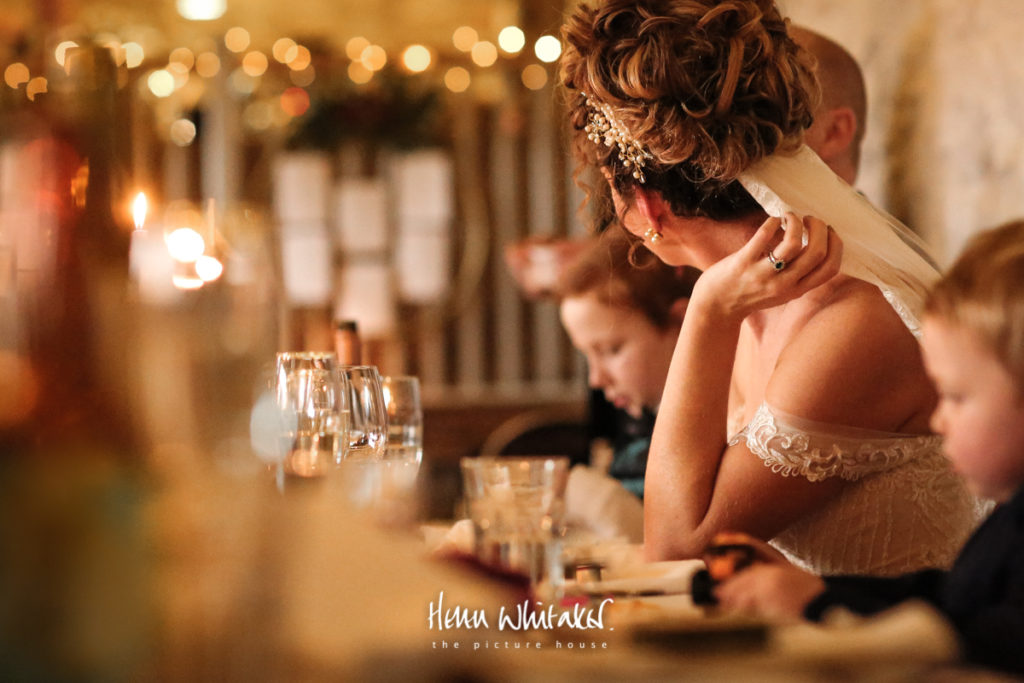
(302, 186)
(361, 215)
(423, 266)
(306, 266)
(366, 295)
(423, 184)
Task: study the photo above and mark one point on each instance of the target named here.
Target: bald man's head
(840, 119)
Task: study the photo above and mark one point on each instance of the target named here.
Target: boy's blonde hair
(984, 292)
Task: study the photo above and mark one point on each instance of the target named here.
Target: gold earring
(653, 235)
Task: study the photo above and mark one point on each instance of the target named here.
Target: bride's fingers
(828, 266)
(792, 239)
(758, 245)
(816, 248)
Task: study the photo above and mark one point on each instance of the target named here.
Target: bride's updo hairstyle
(701, 89)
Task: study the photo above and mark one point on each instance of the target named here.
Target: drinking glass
(517, 505)
(368, 422)
(405, 419)
(313, 399)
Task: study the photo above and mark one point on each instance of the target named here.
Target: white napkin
(443, 540)
(601, 505)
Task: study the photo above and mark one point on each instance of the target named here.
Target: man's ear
(840, 131)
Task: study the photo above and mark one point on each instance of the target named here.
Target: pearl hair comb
(602, 126)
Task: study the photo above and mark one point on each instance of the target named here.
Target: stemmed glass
(362, 459)
(367, 425)
(312, 395)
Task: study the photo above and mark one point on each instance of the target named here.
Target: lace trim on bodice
(903, 311)
(792, 446)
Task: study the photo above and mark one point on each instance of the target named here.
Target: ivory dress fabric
(904, 510)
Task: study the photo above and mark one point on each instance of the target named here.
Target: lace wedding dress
(904, 509)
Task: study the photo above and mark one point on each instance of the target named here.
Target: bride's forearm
(689, 435)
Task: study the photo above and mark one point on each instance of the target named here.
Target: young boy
(973, 345)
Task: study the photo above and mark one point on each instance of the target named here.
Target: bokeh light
(300, 58)
(134, 55)
(35, 86)
(208, 64)
(255, 63)
(374, 57)
(236, 39)
(547, 48)
(281, 48)
(484, 53)
(185, 244)
(161, 82)
(303, 78)
(183, 132)
(16, 74)
(61, 50)
(359, 73)
(201, 10)
(535, 77)
(355, 46)
(208, 268)
(456, 79)
(511, 39)
(295, 101)
(259, 115)
(464, 38)
(416, 58)
(180, 74)
(183, 56)
(242, 83)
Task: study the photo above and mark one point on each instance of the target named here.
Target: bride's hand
(768, 272)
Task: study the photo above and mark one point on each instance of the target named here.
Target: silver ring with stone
(777, 264)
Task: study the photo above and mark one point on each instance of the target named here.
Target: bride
(796, 406)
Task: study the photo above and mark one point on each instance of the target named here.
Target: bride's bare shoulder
(853, 361)
(854, 305)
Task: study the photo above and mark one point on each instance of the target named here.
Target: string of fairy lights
(182, 79)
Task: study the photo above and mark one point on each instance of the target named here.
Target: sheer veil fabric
(877, 248)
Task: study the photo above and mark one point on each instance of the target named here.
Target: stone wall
(945, 142)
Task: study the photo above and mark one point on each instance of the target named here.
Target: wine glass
(312, 396)
(362, 461)
(367, 425)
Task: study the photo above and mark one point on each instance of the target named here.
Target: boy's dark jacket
(982, 594)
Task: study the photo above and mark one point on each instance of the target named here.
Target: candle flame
(139, 208)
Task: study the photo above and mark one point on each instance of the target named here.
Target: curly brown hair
(707, 87)
(621, 273)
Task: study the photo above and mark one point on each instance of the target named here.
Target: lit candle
(139, 207)
(150, 262)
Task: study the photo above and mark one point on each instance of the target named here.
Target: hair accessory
(602, 126)
(777, 263)
(653, 235)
